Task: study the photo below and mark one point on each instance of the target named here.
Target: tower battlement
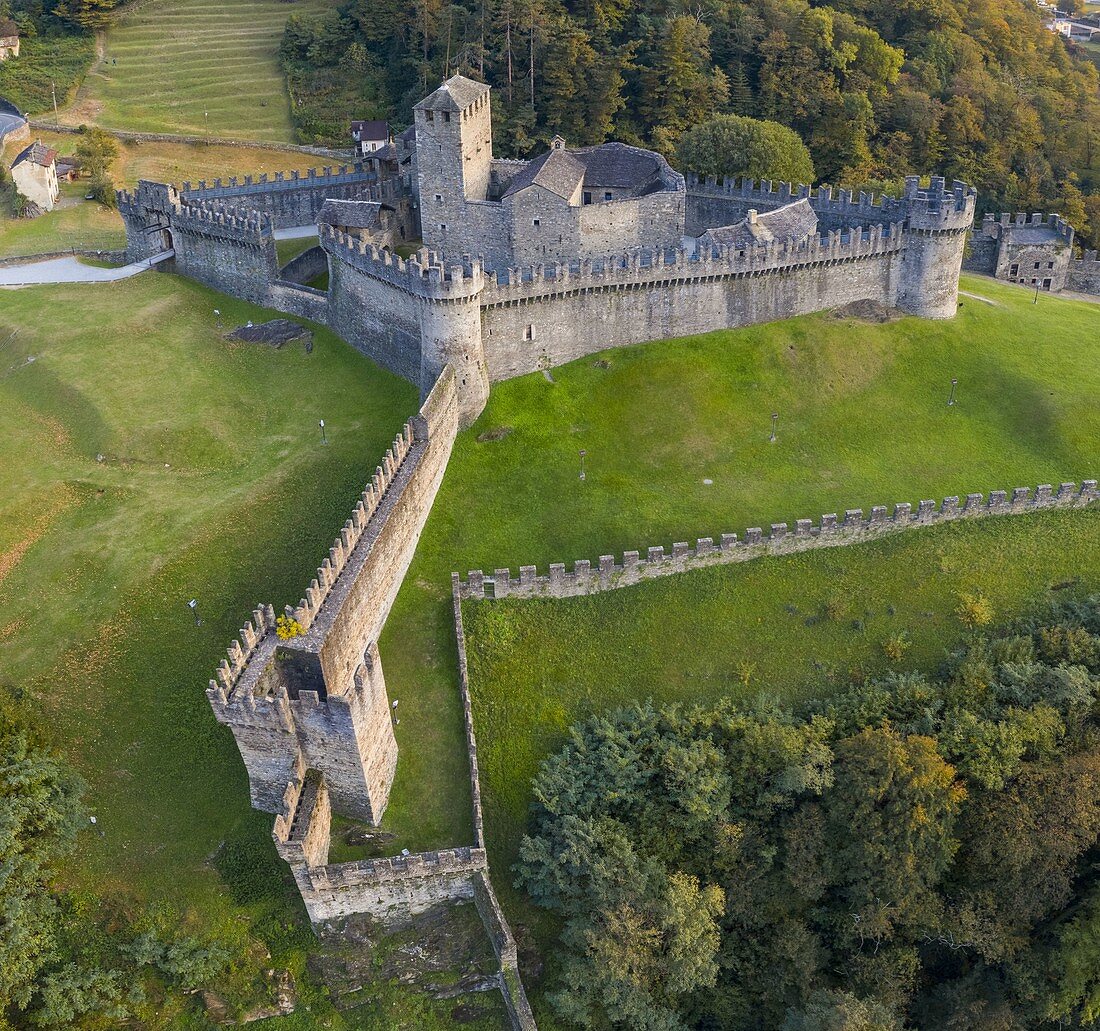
(939, 208)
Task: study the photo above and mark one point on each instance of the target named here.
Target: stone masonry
(531, 264)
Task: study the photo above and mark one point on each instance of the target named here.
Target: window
(1036, 264)
(1014, 271)
(534, 221)
(446, 116)
(439, 198)
(1046, 284)
(442, 227)
(607, 195)
(1050, 264)
(430, 115)
(587, 197)
(529, 332)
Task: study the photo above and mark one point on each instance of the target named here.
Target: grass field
(165, 65)
(46, 65)
(793, 627)
(863, 421)
(87, 225)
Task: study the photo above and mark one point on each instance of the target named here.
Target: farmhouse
(34, 172)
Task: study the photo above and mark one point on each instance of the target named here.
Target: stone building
(370, 137)
(34, 172)
(1035, 251)
(562, 205)
(9, 39)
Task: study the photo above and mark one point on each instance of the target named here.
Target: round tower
(450, 334)
(937, 223)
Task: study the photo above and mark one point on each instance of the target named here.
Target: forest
(918, 852)
(977, 90)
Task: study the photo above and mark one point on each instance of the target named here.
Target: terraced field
(196, 67)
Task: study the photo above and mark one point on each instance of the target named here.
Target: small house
(9, 39)
(370, 136)
(34, 172)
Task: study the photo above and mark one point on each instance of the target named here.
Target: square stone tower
(454, 153)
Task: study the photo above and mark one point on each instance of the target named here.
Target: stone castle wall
(828, 532)
(1084, 274)
(290, 198)
(550, 315)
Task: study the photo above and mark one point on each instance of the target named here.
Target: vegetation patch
(46, 64)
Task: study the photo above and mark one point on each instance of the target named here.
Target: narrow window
(442, 227)
(534, 221)
(439, 198)
(529, 332)
(446, 116)
(430, 115)
(607, 196)
(1036, 264)
(587, 197)
(1050, 264)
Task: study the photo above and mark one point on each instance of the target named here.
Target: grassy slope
(85, 224)
(213, 485)
(863, 421)
(166, 63)
(538, 666)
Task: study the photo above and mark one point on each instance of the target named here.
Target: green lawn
(79, 223)
(795, 627)
(863, 421)
(196, 67)
(148, 461)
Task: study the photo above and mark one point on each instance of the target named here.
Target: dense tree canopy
(733, 145)
(877, 90)
(914, 853)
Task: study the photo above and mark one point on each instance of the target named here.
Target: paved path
(8, 123)
(70, 270)
(296, 232)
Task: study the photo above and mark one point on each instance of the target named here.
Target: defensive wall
(418, 315)
(1084, 274)
(829, 531)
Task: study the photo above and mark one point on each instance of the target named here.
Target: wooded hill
(974, 89)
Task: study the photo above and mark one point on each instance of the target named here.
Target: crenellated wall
(290, 198)
(828, 532)
(1034, 250)
(318, 699)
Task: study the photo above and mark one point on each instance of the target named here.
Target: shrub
(287, 627)
(974, 610)
(896, 646)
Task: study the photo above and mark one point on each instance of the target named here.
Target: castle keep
(529, 264)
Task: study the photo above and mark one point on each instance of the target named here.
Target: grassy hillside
(196, 67)
(863, 421)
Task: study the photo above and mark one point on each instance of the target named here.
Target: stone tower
(454, 153)
(936, 226)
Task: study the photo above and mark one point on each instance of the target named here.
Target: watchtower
(454, 153)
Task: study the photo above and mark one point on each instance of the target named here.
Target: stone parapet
(995, 225)
(265, 183)
(643, 268)
(424, 275)
(806, 534)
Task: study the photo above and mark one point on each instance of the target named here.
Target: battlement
(341, 551)
(399, 868)
(264, 183)
(424, 274)
(828, 531)
(219, 220)
(663, 265)
(935, 208)
(995, 226)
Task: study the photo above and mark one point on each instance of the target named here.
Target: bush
(974, 610)
(731, 145)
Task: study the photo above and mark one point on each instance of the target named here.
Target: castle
(529, 264)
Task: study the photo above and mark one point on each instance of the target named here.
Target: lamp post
(582, 454)
(218, 316)
(775, 418)
(53, 90)
(951, 399)
(324, 439)
(193, 605)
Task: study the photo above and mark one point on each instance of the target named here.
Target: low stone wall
(295, 299)
(72, 252)
(504, 945)
(467, 713)
(829, 532)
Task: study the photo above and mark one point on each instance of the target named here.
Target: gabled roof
(794, 221)
(557, 171)
(8, 28)
(37, 153)
(456, 94)
(353, 214)
(621, 167)
(376, 130)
